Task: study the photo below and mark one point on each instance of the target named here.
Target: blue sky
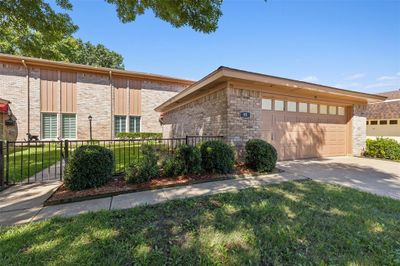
(349, 44)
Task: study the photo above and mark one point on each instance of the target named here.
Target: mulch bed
(118, 185)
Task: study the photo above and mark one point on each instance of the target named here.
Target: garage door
(304, 130)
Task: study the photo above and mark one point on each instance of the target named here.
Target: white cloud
(355, 76)
(389, 78)
(310, 79)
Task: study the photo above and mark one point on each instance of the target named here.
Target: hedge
(217, 157)
(139, 135)
(383, 148)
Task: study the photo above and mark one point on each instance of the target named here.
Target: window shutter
(49, 126)
(69, 126)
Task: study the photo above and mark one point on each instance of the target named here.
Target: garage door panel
(303, 135)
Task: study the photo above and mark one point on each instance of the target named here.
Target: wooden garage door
(297, 135)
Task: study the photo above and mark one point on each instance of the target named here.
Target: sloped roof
(389, 109)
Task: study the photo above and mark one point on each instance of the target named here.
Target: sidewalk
(28, 210)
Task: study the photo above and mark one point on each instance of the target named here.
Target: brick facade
(94, 96)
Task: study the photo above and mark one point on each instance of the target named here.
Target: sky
(350, 44)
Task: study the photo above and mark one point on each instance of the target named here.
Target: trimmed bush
(88, 166)
(217, 157)
(187, 160)
(145, 168)
(383, 148)
(168, 166)
(260, 155)
(139, 135)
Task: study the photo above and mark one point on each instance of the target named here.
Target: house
(53, 100)
(300, 119)
(384, 117)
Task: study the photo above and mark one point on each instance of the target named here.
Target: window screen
(313, 108)
(340, 110)
(134, 124)
(332, 110)
(323, 109)
(69, 126)
(119, 124)
(49, 126)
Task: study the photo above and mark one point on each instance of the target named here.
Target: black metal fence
(33, 161)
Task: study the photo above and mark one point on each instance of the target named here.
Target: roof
(4, 100)
(389, 109)
(31, 61)
(391, 95)
(226, 74)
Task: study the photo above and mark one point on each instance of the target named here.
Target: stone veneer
(359, 129)
(93, 98)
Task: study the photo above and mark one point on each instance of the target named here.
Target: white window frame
(140, 123)
(62, 125)
(42, 125)
(263, 106)
(300, 106)
(115, 119)
(283, 105)
(288, 108)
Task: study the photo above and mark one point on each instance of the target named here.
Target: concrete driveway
(375, 176)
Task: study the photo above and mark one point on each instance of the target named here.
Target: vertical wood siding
(135, 97)
(68, 92)
(49, 91)
(121, 96)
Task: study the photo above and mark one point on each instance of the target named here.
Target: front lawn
(290, 223)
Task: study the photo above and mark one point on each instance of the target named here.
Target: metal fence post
(187, 140)
(66, 149)
(1, 165)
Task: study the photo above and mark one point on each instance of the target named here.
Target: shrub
(168, 166)
(384, 148)
(217, 157)
(260, 155)
(88, 166)
(145, 168)
(187, 160)
(139, 135)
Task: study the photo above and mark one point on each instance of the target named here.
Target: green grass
(293, 223)
(25, 162)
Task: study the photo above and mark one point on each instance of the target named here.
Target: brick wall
(204, 116)
(93, 98)
(242, 129)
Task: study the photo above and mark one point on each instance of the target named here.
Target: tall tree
(33, 28)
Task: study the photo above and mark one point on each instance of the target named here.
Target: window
(323, 109)
(313, 108)
(266, 104)
(367, 122)
(332, 110)
(383, 122)
(292, 106)
(69, 126)
(279, 105)
(374, 122)
(119, 124)
(49, 126)
(393, 122)
(134, 124)
(303, 108)
(340, 110)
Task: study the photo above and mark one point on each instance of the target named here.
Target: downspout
(29, 96)
(112, 104)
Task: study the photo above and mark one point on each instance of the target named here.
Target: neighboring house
(384, 117)
(300, 119)
(54, 99)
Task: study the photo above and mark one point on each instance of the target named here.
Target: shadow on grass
(290, 223)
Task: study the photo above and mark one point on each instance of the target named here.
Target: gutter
(29, 96)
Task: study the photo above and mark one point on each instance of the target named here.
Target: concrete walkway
(379, 177)
(26, 210)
